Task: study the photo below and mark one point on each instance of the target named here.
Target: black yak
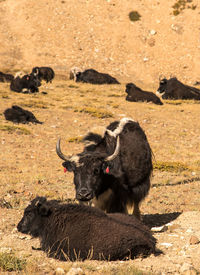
(25, 84)
(174, 89)
(18, 115)
(94, 77)
(44, 73)
(135, 94)
(114, 170)
(79, 232)
(6, 77)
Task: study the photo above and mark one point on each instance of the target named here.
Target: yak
(114, 170)
(17, 114)
(174, 89)
(78, 232)
(44, 73)
(94, 77)
(136, 94)
(28, 83)
(6, 77)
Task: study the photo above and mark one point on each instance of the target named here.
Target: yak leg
(136, 211)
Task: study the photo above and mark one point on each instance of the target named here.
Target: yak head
(163, 87)
(31, 222)
(92, 167)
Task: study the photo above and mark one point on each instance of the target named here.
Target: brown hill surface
(99, 34)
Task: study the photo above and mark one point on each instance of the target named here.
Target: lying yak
(18, 115)
(6, 77)
(114, 170)
(44, 73)
(94, 77)
(174, 89)
(79, 232)
(135, 94)
(25, 84)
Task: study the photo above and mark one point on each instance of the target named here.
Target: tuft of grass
(12, 129)
(35, 104)
(9, 262)
(180, 5)
(99, 113)
(170, 166)
(75, 139)
(134, 16)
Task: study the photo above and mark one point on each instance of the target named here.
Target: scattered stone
(166, 244)
(59, 271)
(151, 41)
(191, 271)
(173, 227)
(152, 32)
(187, 269)
(75, 271)
(194, 240)
(145, 59)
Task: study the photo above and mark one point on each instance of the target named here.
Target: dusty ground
(99, 34)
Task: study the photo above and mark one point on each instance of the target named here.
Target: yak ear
(44, 210)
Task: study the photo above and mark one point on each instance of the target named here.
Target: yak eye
(96, 171)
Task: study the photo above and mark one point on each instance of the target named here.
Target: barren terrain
(99, 34)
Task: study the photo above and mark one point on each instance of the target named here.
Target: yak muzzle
(84, 194)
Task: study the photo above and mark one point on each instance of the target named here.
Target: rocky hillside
(165, 41)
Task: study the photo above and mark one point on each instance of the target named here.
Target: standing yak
(44, 73)
(113, 170)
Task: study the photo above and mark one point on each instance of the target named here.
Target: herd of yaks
(114, 170)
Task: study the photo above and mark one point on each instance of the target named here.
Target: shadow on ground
(152, 220)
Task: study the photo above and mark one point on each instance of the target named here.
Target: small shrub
(180, 5)
(75, 139)
(9, 262)
(134, 16)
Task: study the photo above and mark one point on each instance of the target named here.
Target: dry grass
(29, 164)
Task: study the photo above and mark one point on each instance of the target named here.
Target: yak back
(76, 231)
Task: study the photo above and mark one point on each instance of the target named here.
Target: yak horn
(59, 153)
(116, 152)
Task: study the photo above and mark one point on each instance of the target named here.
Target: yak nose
(84, 194)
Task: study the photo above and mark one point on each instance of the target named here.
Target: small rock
(152, 32)
(145, 59)
(75, 271)
(59, 271)
(191, 271)
(166, 244)
(185, 268)
(194, 240)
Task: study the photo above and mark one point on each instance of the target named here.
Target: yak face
(162, 88)
(88, 176)
(32, 218)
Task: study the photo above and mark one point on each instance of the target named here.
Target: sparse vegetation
(11, 128)
(170, 166)
(180, 5)
(134, 16)
(9, 262)
(99, 113)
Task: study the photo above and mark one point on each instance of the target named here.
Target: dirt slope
(99, 34)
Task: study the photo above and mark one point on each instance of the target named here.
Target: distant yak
(28, 83)
(135, 94)
(6, 77)
(44, 73)
(94, 77)
(18, 115)
(174, 89)
(78, 232)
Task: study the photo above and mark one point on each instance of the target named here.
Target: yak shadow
(156, 220)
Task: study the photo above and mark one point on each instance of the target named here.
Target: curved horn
(59, 153)
(116, 152)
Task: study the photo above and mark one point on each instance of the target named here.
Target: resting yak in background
(114, 170)
(18, 115)
(94, 77)
(6, 77)
(44, 73)
(135, 94)
(174, 89)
